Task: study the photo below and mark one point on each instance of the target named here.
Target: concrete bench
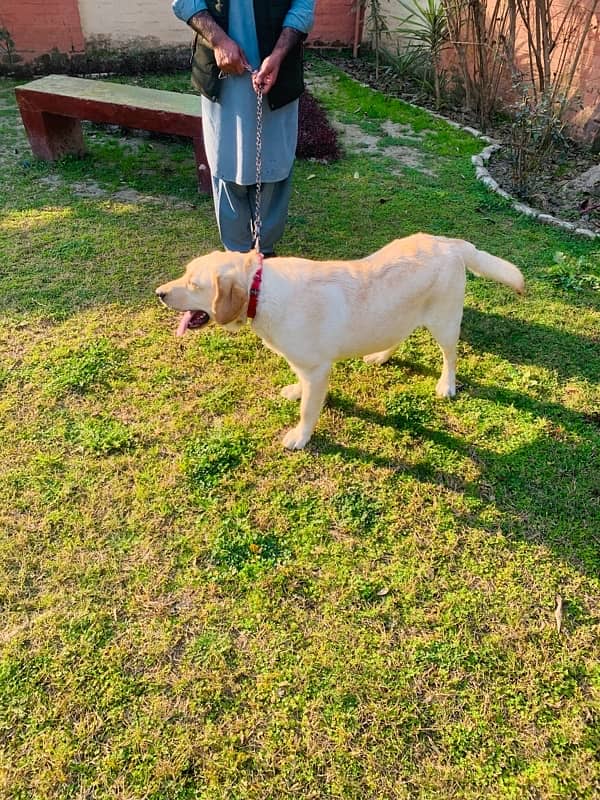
(52, 107)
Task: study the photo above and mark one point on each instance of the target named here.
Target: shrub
(240, 546)
(576, 274)
(536, 133)
(316, 138)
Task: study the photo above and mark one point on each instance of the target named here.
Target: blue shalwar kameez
(229, 127)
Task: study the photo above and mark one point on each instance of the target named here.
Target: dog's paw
(295, 439)
(445, 389)
(292, 392)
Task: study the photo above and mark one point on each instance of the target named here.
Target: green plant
(357, 510)
(239, 545)
(5, 374)
(208, 458)
(7, 45)
(536, 133)
(576, 273)
(85, 368)
(102, 435)
(377, 24)
(482, 34)
(408, 62)
(426, 24)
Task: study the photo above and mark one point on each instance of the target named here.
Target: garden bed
(553, 191)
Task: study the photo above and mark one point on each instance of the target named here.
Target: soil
(554, 190)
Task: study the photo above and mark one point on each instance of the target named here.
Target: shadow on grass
(569, 355)
(93, 252)
(547, 490)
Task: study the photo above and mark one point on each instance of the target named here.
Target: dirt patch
(561, 188)
(90, 189)
(13, 141)
(134, 197)
(402, 130)
(356, 139)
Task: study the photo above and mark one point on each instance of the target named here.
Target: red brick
(39, 26)
(334, 22)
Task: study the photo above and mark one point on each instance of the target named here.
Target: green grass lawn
(188, 611)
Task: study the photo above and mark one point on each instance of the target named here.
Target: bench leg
(202, 169)
(52, 136)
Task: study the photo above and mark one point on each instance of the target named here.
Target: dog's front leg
(313, 383)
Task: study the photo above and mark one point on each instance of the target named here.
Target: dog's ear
(229, 299)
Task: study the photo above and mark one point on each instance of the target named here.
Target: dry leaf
(558, 612)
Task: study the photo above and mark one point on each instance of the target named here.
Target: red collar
(255, 289)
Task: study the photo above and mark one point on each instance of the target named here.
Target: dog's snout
(161, 294)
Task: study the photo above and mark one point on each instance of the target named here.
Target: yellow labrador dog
(316, 312)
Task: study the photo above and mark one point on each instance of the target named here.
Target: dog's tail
(488, 266)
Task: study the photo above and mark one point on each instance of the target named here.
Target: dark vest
(269, 18)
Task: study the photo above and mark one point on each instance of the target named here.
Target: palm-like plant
(426, 23)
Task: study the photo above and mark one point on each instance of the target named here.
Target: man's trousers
(235, 207)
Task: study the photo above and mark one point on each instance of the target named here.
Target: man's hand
(230, 57)
(269, 69)
(265, 78)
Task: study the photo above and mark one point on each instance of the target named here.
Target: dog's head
(213, 287)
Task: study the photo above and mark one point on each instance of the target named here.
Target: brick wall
(40, 26)
(334, 22)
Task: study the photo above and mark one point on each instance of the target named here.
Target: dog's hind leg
(446, 386)
(313, 383)
(447, 338)
(380, 358)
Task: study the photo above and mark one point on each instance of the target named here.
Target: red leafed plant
(316, 138)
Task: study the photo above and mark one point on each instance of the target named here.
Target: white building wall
(393, 11)
(121, 21)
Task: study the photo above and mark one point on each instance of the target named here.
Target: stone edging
(482, 174)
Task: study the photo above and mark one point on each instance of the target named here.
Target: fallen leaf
(558, 612)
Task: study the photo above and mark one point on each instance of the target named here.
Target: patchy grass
(190, 612)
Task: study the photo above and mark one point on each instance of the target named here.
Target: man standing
(241, 46)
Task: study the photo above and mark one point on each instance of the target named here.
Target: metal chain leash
(257, 222)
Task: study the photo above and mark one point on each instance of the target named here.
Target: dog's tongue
(192, 320)
(184, 323)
